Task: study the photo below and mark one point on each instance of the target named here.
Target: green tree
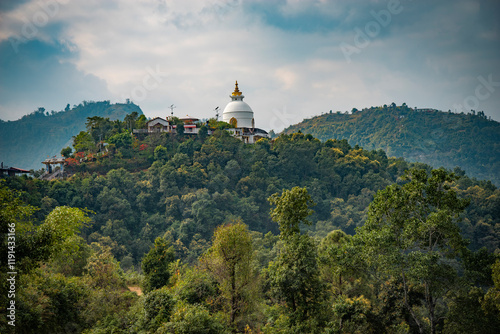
(294, 278)
(158, 306)
(130, 120)
(292, 208)
(160, 153)
(229, 260)
(341, 261)
(180, 129)
(193, 319)
(155, 265)
(66, 152)
(121, 140)
(83, 142)
(203, 133)
(411, 233)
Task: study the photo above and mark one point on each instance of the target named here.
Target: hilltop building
(237, 113)
(12, 171)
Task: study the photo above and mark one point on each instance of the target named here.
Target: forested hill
(25, 143)
(470, 141)
(213, 226)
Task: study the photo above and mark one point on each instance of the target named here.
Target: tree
(340, 259)
(180, 129)
(193, 319)
(155, 265)
(130, 120)
(203, 133)
(229, 260)
(160, 153)
(66, 152)
(123, 139)
(411, 233)
(292, 208)
(294, 276)
(83, 142)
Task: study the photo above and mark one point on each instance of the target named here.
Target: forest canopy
(290, 235)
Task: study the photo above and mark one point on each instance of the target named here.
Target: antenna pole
(172, 110)
(217, 113)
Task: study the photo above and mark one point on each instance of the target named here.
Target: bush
(193, 319)
(158, 306)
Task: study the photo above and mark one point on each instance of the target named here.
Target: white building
(240, 115)
(237, 113)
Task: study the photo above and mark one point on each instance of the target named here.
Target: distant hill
(469, 141)
(25, 143)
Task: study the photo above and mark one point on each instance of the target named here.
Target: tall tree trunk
(408, 306)
(431, 306)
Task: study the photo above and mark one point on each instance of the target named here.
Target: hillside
(470, 141)
(185, 215)
(25, 143)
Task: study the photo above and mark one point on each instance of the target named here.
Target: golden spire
(236, 90)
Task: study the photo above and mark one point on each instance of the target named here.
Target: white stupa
(240, 116)
(237, 112)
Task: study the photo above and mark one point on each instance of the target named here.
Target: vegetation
(291, 235)
(30, 140)
(470, 141)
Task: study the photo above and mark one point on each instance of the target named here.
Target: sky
(292, 59)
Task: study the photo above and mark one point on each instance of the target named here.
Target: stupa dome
(238, 112)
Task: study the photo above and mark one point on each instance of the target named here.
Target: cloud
(286, 55)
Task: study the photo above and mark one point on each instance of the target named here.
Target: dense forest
(28, 141)
(470, 141)
(290, 235)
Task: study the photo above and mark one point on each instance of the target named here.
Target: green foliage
(83, 142)
(197, 286)
(331, 282)
(66, 152)
(341, 262)
(467, 315)
(30, 140)
(193, 319)
(72, 257)
(158, 306)
(121, 140)
(436, 138)
(292, 208)
(203, 133)
(411, 232)
(102, 269)
(155, 265)
(294, 277)
(352, 315)
(229, 260)
(49, 303)
(161, 153)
